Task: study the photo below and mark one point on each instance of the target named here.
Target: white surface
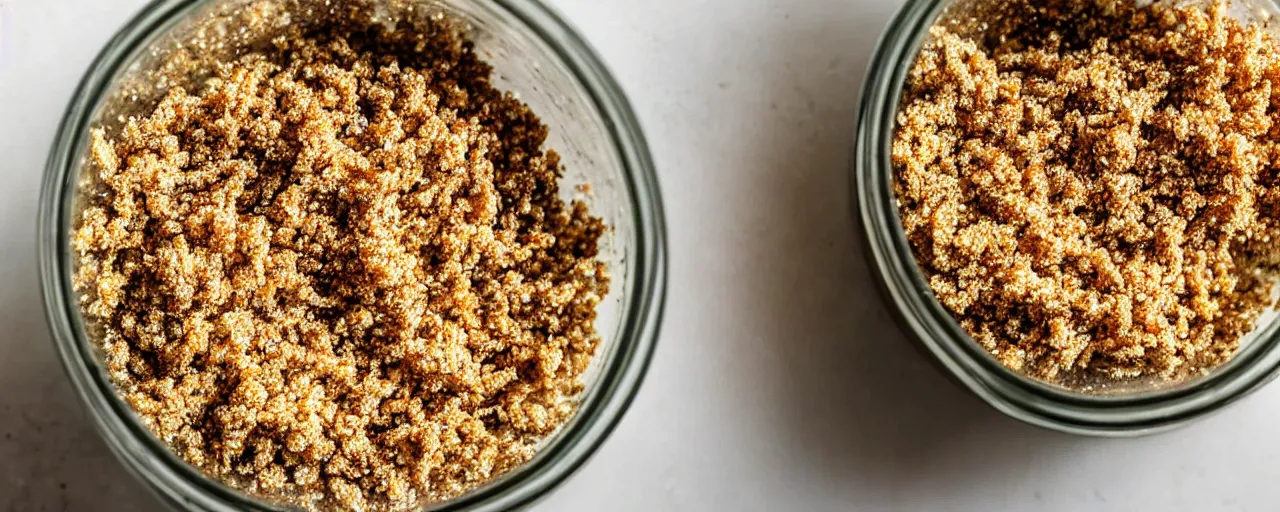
(780, 383)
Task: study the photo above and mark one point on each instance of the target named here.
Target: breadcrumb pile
(340, 275)
(1091, 186)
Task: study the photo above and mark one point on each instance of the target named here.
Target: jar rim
(923, 318)
(600, 408)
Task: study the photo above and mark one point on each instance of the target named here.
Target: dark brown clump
(1091, 186)
(340, 274)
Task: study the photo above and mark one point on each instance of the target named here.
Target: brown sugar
(1091, 186)
(339, 274)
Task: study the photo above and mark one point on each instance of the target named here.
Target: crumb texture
(1091, 186)
(339, 274)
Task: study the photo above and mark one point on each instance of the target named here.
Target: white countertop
(780, 382)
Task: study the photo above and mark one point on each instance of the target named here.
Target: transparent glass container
(536, 55)
(1095, 407)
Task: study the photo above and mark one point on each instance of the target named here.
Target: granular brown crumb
(340, 274)
(1091, 186)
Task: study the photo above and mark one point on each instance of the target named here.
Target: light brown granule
(1091, 186)
(340, 274)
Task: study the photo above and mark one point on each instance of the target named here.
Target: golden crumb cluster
(340, 273)
(1091, 186)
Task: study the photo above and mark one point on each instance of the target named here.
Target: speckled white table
(780, 383)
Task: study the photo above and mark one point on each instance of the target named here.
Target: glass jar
(536, 55)
(1106, 409)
